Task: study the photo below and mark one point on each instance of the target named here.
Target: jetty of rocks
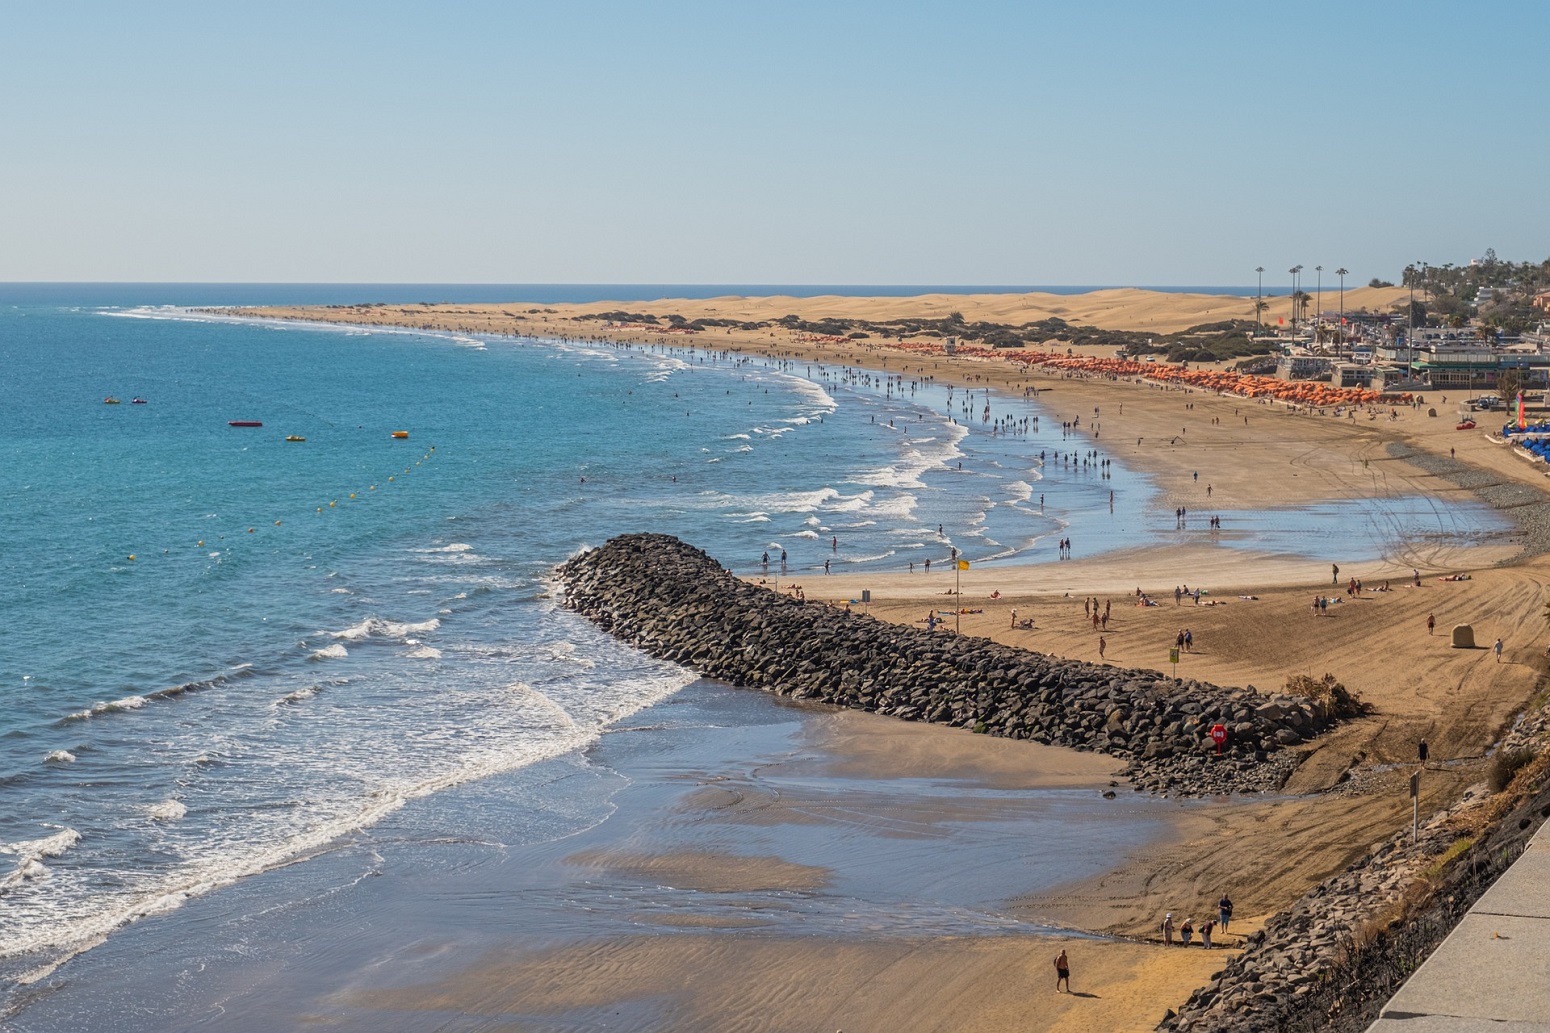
(674, 602)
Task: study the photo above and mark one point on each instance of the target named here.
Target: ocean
(224, 650)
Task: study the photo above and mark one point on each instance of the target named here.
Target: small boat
(294, 437)
(110, 400)
(400, 433)
(137, 400)
(244, 423)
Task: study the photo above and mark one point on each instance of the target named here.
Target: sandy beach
(1256, 627)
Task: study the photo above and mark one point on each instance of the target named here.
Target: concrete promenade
(1493, 970)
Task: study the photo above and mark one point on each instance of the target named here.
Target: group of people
(1186, 933)
(1187, 928)
(1181, 592)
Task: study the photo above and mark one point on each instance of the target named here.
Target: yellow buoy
(352, 494)
(277, 523)
(131, 555)
(201, 541)
(373, 487)
(390, 477)
(332, 504)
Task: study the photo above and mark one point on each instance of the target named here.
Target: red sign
(1219, 734)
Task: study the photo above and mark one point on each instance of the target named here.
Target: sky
(462, 141)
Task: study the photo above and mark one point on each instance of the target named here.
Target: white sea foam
(331, 652)
(812, 393)
(60, 757)
(111, 707)
(803, 534)
(299, 695)
(899, 507)
(454, 547)
(1021, 491)
(34, 925)
(848, 503)
(48, 846)
(167, 810)
(376, 627)
(868, 559)
(424, 653)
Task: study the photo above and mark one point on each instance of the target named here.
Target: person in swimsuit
(1062, 972)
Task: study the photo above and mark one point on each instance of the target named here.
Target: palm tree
(1300, 302)
(1294, 270)
(1259, 306)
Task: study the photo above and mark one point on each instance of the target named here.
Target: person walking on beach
(1497, 649)
(1335, 580)
(1167, 928)
(1224, 911)
(1102, 645)
(1014, 618)
(1062, 972)
(1431, 623)
(1205, 933)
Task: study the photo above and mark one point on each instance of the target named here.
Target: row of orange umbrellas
(1248, 385)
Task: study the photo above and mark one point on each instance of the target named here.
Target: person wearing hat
(1167, 928)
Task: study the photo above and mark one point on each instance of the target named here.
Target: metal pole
(1318, 303)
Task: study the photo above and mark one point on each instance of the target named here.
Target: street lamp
(1410, 334)
(1341, 272)
(1318, 304)
(1259, 299)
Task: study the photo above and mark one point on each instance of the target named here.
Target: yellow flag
(963, 564)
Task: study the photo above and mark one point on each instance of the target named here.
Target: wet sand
(723, 860)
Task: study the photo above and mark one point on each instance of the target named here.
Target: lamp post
(1410, 333)
(957, 592)
(1341, 272)
(1294, 270)
(1259, 299)
(1318, 303)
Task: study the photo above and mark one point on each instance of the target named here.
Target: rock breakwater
(674, 602)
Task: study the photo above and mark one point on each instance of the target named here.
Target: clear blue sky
(793, 142)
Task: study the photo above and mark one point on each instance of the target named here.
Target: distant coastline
(255, 293)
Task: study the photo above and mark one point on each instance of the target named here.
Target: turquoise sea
(221, 650)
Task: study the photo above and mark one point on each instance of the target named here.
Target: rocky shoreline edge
(1332, 960)
(675, 602)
